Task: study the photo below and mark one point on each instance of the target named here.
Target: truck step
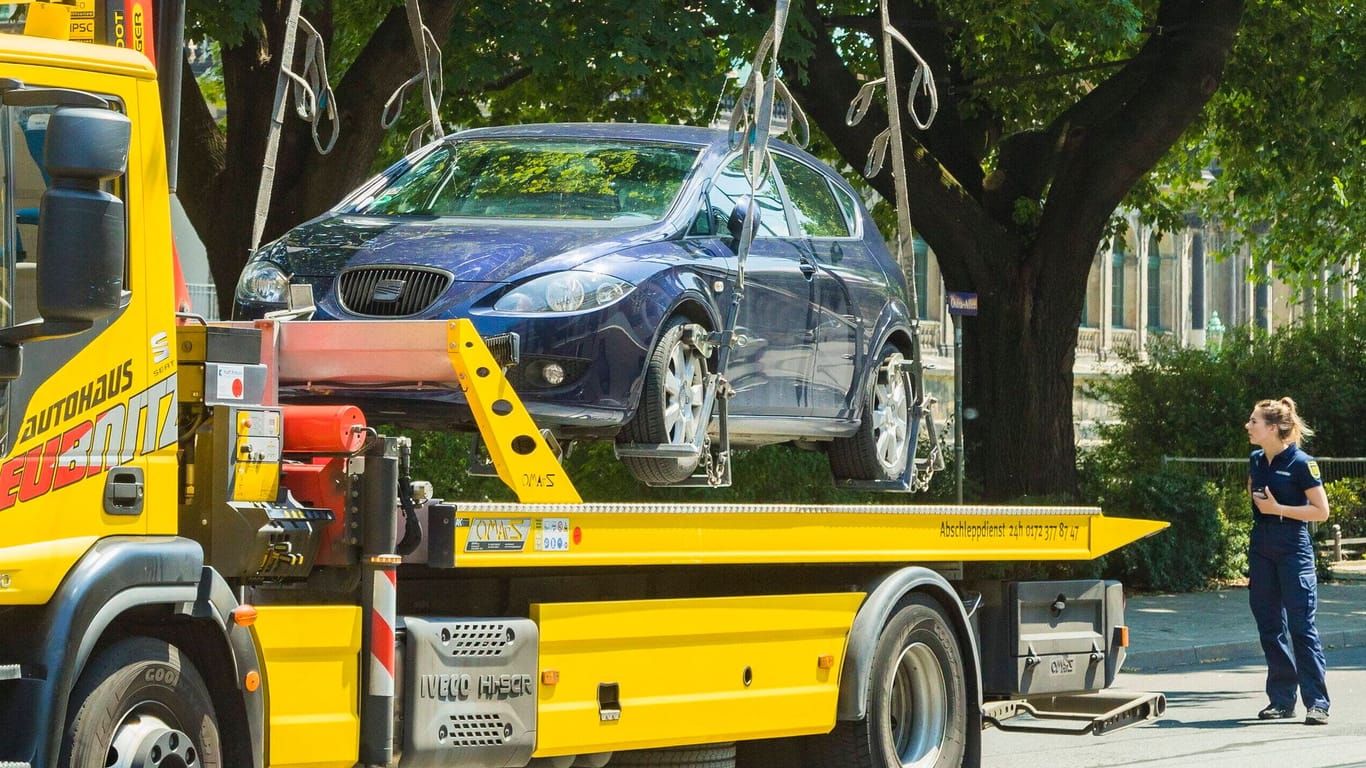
(1094, 713)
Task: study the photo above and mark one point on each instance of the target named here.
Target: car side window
(730, 186)
(818, 212)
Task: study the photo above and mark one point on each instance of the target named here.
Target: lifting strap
(432, 79)
(891, 139)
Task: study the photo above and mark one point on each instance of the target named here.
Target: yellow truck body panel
(689, 670)
(311, 659)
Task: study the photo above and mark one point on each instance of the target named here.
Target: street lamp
(1214, 332)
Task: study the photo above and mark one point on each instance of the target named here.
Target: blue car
(603, 247)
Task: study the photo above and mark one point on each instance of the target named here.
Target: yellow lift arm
(550, 526)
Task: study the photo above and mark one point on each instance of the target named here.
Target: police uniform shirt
(1288, 475)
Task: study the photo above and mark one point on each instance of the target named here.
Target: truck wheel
(917, 701)
(140, 704)
(880, 448)
(697, 756)
(670, 410)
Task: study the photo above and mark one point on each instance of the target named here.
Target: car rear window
(534, 178)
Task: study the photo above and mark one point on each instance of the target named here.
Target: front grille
(390, 291)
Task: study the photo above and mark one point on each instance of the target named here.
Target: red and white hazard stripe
(383, 607)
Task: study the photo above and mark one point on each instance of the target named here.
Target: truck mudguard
(883, 596)
(118, 573)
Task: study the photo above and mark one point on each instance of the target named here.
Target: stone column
(1197, 286)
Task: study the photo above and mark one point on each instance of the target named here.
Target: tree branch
(1109, 143)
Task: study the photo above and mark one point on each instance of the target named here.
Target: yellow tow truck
(194, 574)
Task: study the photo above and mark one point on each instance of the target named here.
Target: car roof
(677, 134)
(715, 138)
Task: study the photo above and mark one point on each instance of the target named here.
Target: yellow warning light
(550, 676)
(1122, 636)
(825, 661)
(252, 681)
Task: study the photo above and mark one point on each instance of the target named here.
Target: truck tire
(140, 704)
(670, 409)
(881, 447)
(917, 697)
(695, 756)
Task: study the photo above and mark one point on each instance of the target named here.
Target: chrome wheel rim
(683, 387)
(918, 708)
(891, 411)
(144, 740)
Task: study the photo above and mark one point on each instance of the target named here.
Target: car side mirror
(82, 240)
(744, 208)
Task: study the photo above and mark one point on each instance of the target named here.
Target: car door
(771, 371)
(844, 289)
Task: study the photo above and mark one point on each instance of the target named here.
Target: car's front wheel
(881, 447)
(670, 411)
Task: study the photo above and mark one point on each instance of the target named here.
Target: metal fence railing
(1235, 470)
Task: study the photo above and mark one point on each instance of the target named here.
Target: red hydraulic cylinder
(323, 428)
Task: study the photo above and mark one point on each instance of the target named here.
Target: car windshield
(535, 178)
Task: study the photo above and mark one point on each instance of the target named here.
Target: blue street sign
(962, 303)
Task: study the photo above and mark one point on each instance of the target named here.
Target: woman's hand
(1266, 502)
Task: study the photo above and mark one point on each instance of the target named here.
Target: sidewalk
(1168, 631)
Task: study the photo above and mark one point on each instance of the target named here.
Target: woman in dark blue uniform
(1287, 495)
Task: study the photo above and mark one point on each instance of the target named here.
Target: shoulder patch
(1314, 470)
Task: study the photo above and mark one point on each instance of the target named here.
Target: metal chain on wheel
(936, 439)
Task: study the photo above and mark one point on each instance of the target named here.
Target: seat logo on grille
(389, 289)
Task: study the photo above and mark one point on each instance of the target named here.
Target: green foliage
(230, 22)
(778, 474)
(1287, 127)
(1193, 402)
(1184, 401)
(1188, 554)
(1347, 508)
(525, 61)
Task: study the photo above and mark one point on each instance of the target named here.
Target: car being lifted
(607, 249)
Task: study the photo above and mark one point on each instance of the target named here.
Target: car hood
(472, 251)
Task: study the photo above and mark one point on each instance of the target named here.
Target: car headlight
(262, 282)
(564, 292)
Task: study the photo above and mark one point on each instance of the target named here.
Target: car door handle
(808, 269)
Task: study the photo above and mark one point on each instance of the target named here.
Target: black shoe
(1274, 712)
(1316, 716)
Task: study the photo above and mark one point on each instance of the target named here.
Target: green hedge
(1183, 401)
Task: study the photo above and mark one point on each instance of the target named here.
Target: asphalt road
(1210, 723)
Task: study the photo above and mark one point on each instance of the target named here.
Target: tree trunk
(1029, 272)
(221, 173)
(1017, 378)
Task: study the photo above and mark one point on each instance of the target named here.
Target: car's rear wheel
(670, 411)
(881, 447)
